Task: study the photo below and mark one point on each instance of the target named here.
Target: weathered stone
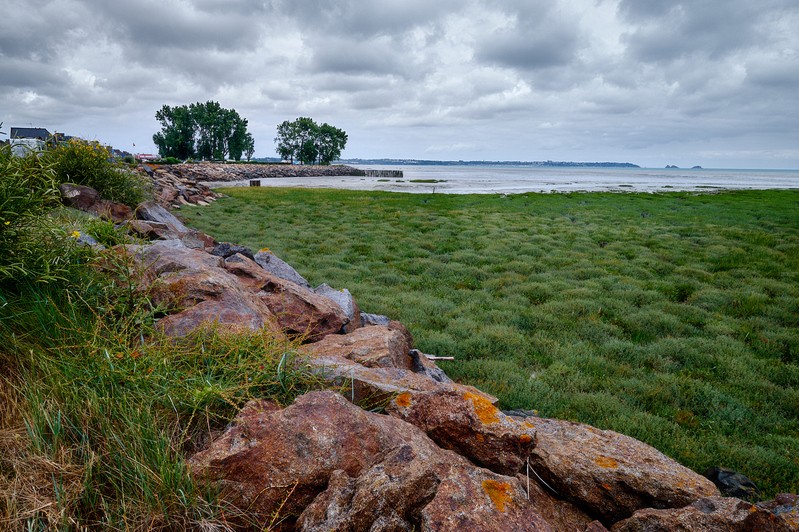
(785, 506)
(378, 385)
(88, 200)
(229, 315)
(78, 197)
(300, 312)
(373, 319)
(343, 299)
(152, 212)
(347, 469)
(279, 268)
(561, 515)
(470, 425)
(226, 249)
(249, 272)
(198, 290)
(712, 514)
(733, 484)
(610, 475)
(385, 347)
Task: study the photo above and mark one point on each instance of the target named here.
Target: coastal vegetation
(97, 410)
(205, 131)
(306, 141)
(673, 318)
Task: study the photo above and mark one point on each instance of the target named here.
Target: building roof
(29, 133)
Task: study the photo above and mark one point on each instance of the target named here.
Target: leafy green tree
(305, 141)
(176, 138)
(204, 130)
(249, 146)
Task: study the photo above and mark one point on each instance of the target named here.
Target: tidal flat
(670, 317)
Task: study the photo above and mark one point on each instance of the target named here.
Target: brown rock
(610, 475)
(712, 514)
(378, 385)
(785, 506)
(343, 468)
(227, 315)
(248, 272)
(88, 200)
(470, 425)
(300, 312)
(78, 197)
(378, 346)
(198, 290)
(152, 212)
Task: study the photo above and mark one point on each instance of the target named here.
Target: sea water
(497, 179)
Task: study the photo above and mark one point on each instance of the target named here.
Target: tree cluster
(203, 131)
(306, 141)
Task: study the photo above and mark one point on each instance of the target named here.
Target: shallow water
(515, 179)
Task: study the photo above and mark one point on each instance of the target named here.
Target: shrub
(32, 247)
(88, 163)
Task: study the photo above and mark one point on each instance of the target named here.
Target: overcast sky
(653, 82)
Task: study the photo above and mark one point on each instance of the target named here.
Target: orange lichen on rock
(606, 462)
(486, 412)
(404, 399)
(499, 493)
(525, 438)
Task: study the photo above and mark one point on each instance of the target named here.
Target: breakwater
(383, 173)
(219, 172)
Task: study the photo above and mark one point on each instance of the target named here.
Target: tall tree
(205, 130)
(176, 138)
(307, 142)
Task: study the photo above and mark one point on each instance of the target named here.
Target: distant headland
(424, 162)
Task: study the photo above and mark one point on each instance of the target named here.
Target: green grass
(673, 318)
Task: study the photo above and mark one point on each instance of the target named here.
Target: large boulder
(151, 211)
(200, 288)
(197, 291)
(610, 475)
(389, 371)
(384, 347)
(343, 298)
(712, 514)
(300, 312)
(279, 268)
(87, 199)
(470, 425)
(337, 467)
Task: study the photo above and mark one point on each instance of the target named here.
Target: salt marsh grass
(672, 317)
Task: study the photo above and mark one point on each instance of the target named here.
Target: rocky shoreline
(438, 455)
(218, 172)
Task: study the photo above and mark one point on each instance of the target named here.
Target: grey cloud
(359, 18)
(696, 28)
(379, 56)
(536, 39)
(22, 74)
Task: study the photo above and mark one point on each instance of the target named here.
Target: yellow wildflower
(75, 234)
